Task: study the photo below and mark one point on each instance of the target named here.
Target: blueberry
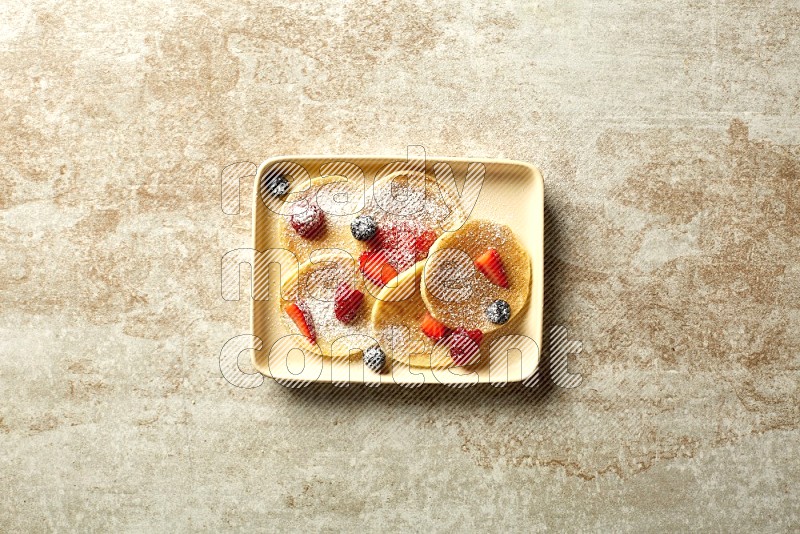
(276, 184)
(363, 227)
(498, 312)
(374, 359)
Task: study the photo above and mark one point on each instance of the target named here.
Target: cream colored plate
(512, 193)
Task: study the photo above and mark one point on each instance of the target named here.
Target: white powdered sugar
(403, 197)
(330, 327)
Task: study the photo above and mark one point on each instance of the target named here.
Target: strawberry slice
(464, 345)
(423, 243)
(376, 267)
(346, 301)
(405, 237)
(299, 313)
(399, 235)
(433, 328)
(475, 335)
(490, 264)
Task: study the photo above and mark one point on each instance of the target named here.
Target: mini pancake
(412, 208)
(456, 293)
(396, 318)
(315, 283)
(323, 191)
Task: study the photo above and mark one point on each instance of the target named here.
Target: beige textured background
(669, 137)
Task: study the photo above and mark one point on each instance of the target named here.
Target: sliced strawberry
(346, 301)
(433, 328)
(388, 273)
(369, 263)
(490, 264)
(475, 335)
(464, 347)
(376, 267)
(423, 243)
(399, 235)
(299, 313)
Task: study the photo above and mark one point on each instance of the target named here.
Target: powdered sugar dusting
(404, 196)
(459, 294)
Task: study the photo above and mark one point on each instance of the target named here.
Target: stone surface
(669, 137)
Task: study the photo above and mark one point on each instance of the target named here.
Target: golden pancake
(314, 283)
(396, 318)
(412, 210)
(458, 294)
(335, 233)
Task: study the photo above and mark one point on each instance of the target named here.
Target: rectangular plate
(512, 194)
